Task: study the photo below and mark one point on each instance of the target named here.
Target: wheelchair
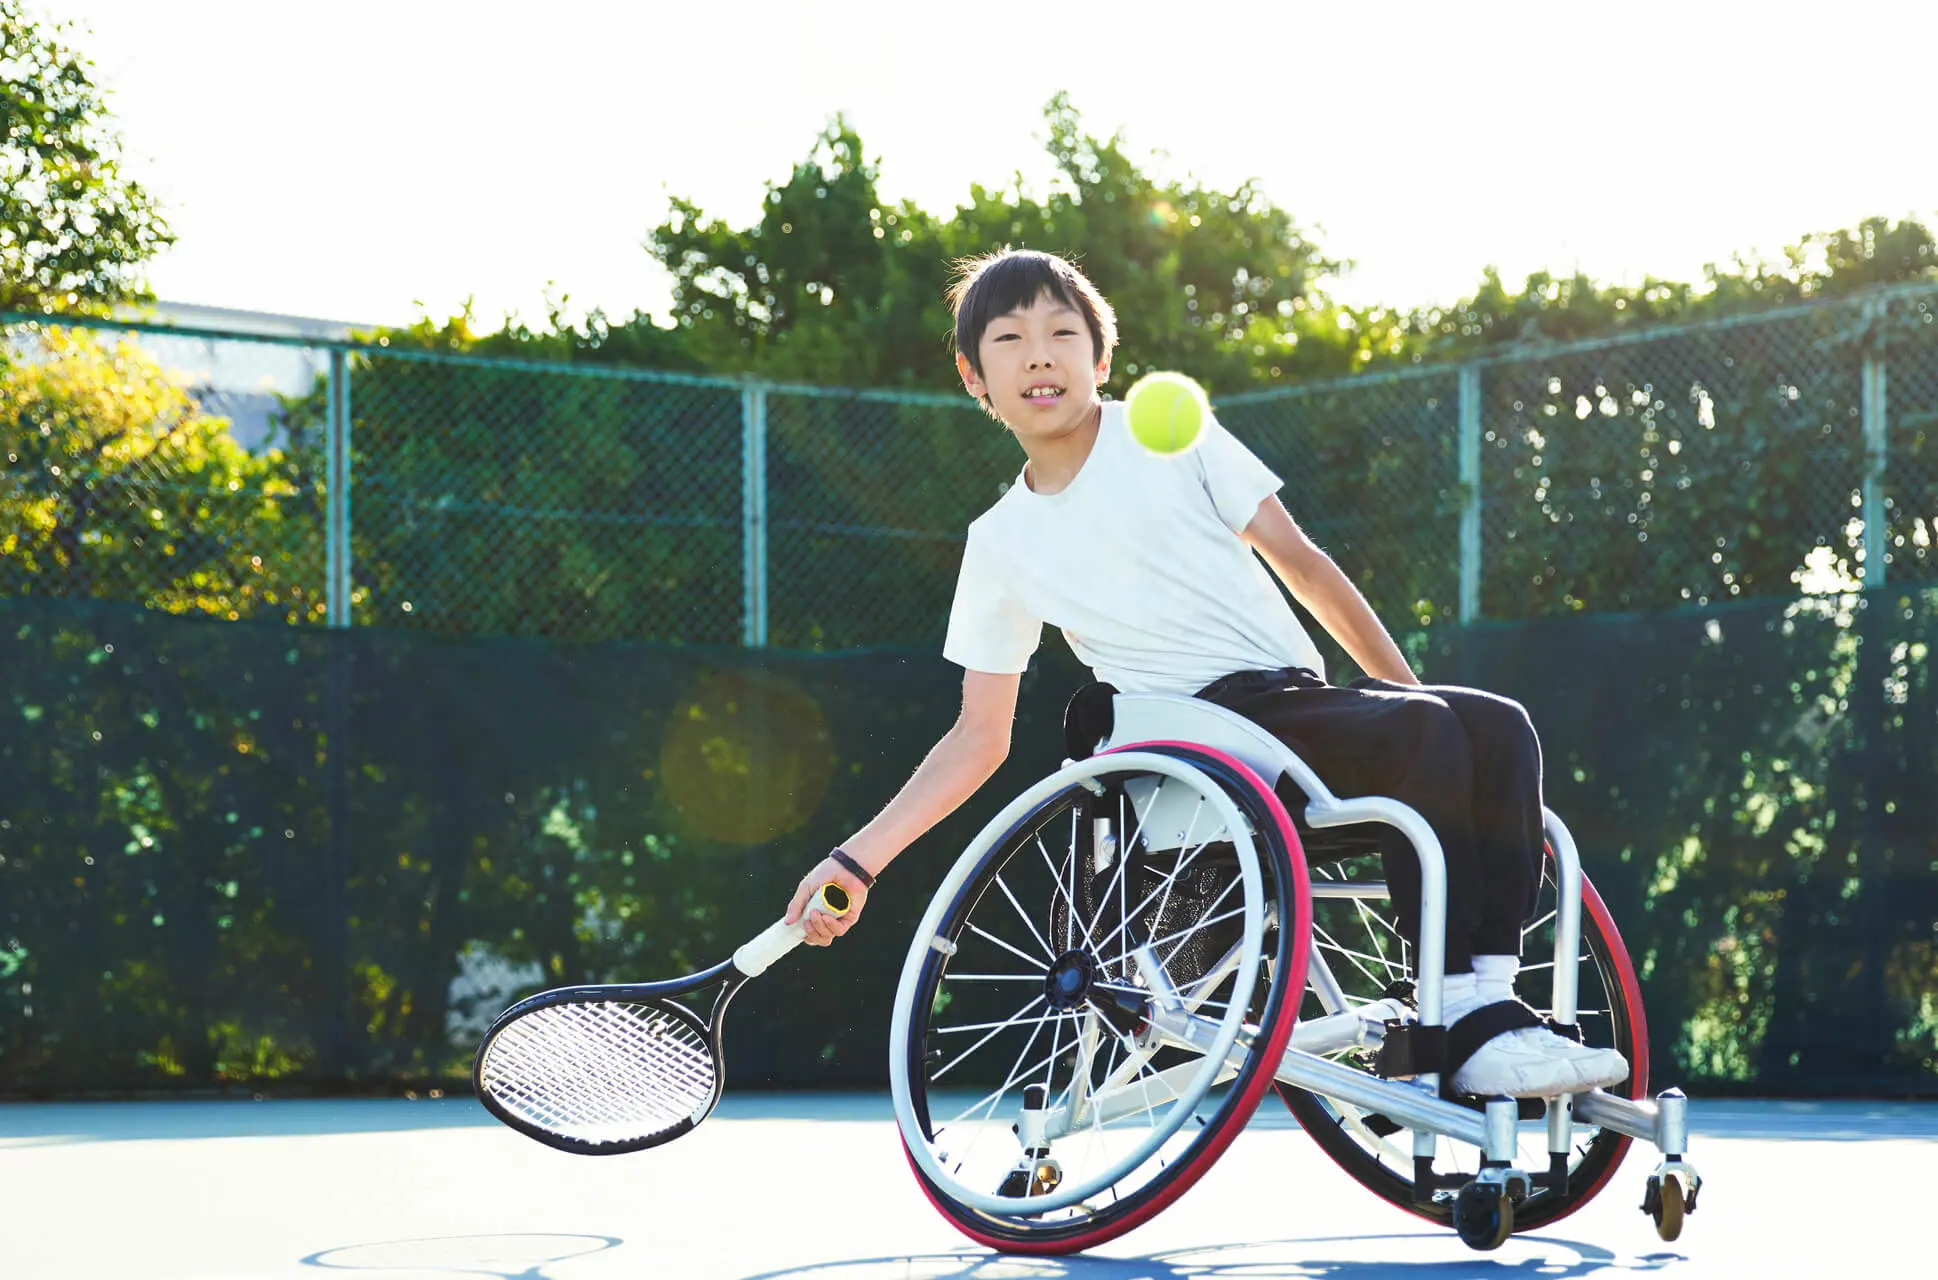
(1137, 948)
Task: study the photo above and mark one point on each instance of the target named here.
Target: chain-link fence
(361, 483)
(500, 498)
(867, 498)
(1909, 483)
(1372, 473)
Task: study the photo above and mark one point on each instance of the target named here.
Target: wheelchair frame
(1414, 1104)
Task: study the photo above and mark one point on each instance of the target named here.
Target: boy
(1151, 567)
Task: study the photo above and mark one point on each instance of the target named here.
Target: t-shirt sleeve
(1234, 477)
(989, 630)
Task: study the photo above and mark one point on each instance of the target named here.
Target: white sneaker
(1534, 1062)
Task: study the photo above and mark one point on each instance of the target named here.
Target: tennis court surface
(815, 1186)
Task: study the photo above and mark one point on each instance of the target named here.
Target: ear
(971, 381)
(1103, 369)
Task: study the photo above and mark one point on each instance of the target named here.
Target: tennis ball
(1166, 412)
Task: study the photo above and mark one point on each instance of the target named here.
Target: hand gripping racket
(599, 1070)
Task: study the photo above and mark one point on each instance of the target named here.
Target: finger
(797, 904)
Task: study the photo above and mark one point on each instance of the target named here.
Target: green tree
(833, 285)
(74, 231)
(116, 485)
(1549, 308)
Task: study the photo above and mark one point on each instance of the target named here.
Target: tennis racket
(599, 1070)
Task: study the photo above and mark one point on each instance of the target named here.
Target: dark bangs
(1011, 279)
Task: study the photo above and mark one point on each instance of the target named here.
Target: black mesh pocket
(1169, 915)
(1204, 890)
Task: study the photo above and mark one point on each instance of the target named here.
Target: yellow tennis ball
(1166, 412)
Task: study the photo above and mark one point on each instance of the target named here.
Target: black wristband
(841, 857)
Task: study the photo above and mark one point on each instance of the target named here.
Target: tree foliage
(834, 285)
(116, 484)
(74, 230)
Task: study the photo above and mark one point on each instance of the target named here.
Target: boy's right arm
(954, 769)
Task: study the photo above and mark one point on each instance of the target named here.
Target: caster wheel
(1664, 1199)
(1483, 1215)
(1037, 1178)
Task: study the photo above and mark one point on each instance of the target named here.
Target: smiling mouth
(1043, 394)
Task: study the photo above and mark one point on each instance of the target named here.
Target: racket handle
(779, 938)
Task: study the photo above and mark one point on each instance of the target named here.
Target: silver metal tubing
(1320, 976)
(1406, 1104)
(1433, 883)
(1332, 1033)
(1567, 957)
(1672, 1122)
(1145, 1093)
(1606, 1111)
(1503, 1122)
(1350, 889)
(1411, 1104)
(1567, 918)
(1429, 970)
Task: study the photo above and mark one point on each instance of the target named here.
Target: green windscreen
(244, 854)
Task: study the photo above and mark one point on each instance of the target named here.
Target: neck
(1054, 461)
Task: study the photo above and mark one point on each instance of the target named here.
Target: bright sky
(363, 159)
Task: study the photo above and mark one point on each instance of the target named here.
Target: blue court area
(816, 1186)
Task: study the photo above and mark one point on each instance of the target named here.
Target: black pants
(1467, 761)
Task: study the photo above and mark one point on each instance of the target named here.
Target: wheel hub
(1067, 984)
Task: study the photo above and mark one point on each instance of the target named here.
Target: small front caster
(1483, 1214)
(1665, 1198)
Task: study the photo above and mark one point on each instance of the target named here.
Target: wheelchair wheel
(1089, 1012)
(1358, 941)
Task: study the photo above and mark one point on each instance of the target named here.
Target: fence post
(753, 515)
(336, 520)
(1876, 445)
(334, 1047)
(1469, 493)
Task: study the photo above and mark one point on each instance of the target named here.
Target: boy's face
(1037, 369)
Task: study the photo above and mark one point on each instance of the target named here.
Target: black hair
(1007, 280)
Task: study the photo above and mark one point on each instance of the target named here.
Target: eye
(1004, 337)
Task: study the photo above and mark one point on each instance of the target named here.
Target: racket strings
(601, 1072)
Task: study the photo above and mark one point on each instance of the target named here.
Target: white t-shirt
(1139, 563)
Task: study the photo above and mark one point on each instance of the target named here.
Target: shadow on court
(1415, 1254)
(521, 1256)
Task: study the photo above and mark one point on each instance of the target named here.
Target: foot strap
(1465, 1037)
(1410, 1049)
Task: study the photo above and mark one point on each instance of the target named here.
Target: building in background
(232, 377)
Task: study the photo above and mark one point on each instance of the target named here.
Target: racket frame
(663, 996)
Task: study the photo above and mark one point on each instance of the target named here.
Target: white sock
(1495, 975)
(1459, 996)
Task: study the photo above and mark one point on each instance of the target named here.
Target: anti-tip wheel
(1483, 1214)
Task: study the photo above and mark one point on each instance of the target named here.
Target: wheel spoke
(1069, 899)
(1049, 952)
(985, 1026)
(1024, 956)
(1013, 1020)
